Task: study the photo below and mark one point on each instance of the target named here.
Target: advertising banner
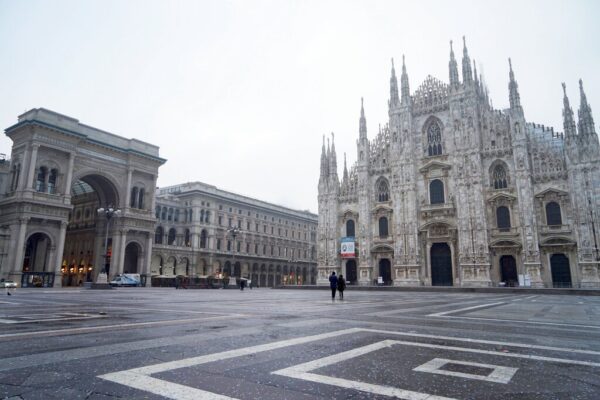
(348, 248)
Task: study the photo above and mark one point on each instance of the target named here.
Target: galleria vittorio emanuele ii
(453, 192)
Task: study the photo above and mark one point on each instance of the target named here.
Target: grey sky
(239, 93)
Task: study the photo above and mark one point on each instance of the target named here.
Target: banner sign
(348, 250)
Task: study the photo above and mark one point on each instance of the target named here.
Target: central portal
(441, 265)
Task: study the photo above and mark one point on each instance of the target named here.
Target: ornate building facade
(203, 230)
(454, 192)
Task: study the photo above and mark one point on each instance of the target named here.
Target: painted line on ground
(519, 321)
(440, 314)
(140, 378)
(499, 374)
(100, 328)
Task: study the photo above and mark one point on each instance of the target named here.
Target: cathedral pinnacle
(404, 85)
(568, 120)
(333, 160)
(513, 89)
(394, 101)
(324, 161)
(452, 66)
(586, 121)
(345, 178)
(466, 64)
(362, 125)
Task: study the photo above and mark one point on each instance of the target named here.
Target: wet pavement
(156, 343)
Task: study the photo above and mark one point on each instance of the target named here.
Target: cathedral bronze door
(385, 271)
(508, 271)
(351, 274)
(441, 265)
(561, 271)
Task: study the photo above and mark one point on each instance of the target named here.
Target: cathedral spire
(394, 101)
(466, 65)
(333, 159)
(362, 130)
(475, 77)
(568, 120)
(345, 169)
(586, 121)
(324, 168)
(404, 85)
(453, 67)
(513, 89)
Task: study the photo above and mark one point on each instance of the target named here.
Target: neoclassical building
(454, 192)
(195, 235)
(60, 173)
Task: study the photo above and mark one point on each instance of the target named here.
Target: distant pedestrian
(242, 284)
(341, 286)
(333, 282)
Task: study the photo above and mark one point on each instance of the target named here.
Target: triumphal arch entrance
(76, 201)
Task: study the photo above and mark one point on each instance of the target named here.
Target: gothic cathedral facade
(453, 192)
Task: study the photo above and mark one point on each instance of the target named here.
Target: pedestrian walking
(333, 282)
(341, 286)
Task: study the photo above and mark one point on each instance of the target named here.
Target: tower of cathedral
(454, 192)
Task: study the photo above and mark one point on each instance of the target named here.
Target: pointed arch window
(383, 191)
(436, 192)
(499, 177)
(383, 227)
(434, 139)
(350, 227)
(553, 216)
(503, 218)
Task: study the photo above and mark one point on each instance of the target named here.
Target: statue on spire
(362, 124)
(568, 120)
(405, 101)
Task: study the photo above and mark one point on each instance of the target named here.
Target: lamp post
(109, 212)
(233, 232)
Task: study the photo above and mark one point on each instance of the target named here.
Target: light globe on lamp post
(233, 232)
(109, 212)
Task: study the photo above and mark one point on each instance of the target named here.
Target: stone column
(60, 248)
(118, 255)
(31, 170)
(17, 266)
(148, 261)
(68, 180)
(128, 188)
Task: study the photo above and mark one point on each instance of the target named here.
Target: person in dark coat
(333, 284)
(341, 286)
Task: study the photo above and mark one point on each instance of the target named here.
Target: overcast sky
(238, 94)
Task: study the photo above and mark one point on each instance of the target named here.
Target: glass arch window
(383, 227)
(141, 199)
(134, 195)
(434, 139)
(436, 192)
(350, 228)
(158, 235)
(52, 181)
(40, 183)
(503, 217)
(172, 236)
(553, 216)
(203, 239)
(383, 191)
(499, 177)
(187, 238)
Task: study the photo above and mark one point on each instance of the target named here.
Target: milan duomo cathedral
(452, 192)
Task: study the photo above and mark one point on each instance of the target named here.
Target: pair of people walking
(337, 284)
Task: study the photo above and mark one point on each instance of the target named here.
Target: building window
(218, 244)
(176, 216)
(40, 183)
(157, 212)
(383, 191)
(134, 195)
(503, 218)
(553, 216)
(187, 239)
(229, 245)
(203, 239)
(434, 139)
(207, 217)
(239, 246)
(383, 227)
(52, 181)
(158, 235)
(436, 192)
(499, 178)
(172, 237)
(220, 220)
(350, 227)
(141, 199)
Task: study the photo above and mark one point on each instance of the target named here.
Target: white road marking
(9, 302)
(140, 378)
(519, 321)
(465, 309)
(499, 374)
(56, 332)
(31, 319)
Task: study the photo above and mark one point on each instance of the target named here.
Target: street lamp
(109, 212)
(233, 232)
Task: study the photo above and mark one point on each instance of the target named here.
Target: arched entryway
(508, 271)
(132, 258)
(441, 265)
(351, 273)
(561, 270)
(385, 271)
(169, 267)
(36, 268)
